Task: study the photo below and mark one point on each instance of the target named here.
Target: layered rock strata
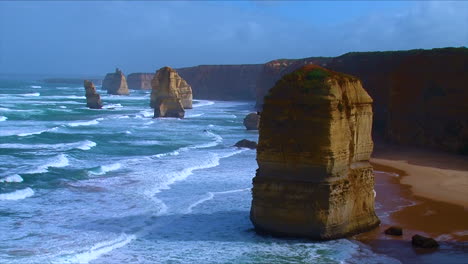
(169, 77)
(115, 83)
(93, 99)
(251, 121)
(140, 81)
(169, 94)
(314, 178)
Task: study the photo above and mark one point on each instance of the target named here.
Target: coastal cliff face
(314, 178)
(167, 97)
(222, 82)
(139, 81)
(115, 83)
(419, 95)
(93, 99)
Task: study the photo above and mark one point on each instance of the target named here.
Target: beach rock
(140, 81)
(93, 100)
(244, 143)
(314, 178)
(115, 83)
(251, 121)
(394, 231)
(166, 97)
(424, 242)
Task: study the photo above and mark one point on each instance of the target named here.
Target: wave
(103, 169)
(200, 103)
(12, 178)
(112, 106)
(56, 162)
(30, 94)
(194, 115)
(388, 173)
(37, 132)
(62, 106)
(217, 139)
(35, 86)
(85, 123)
(210, 196)
(99, 249)
(17, 195)
(3, 118)
(65, 97)
(83, 145)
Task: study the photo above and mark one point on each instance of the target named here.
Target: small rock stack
(93, 100)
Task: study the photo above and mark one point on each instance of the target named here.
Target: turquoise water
(116, 186)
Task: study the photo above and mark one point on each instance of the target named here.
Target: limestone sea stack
(251, 121)
(172, 79)
(167, 98)
(314, 178)
(115, 83)
(93, 100)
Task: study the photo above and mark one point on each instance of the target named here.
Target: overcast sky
(84, 37)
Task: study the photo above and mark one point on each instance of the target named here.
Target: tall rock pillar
(314, 178)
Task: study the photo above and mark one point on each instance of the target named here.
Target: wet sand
(399, 203)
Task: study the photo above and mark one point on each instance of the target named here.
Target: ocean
(116, 186)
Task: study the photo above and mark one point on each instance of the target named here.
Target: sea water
(114, 185)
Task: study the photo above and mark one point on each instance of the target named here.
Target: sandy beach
(425, 193)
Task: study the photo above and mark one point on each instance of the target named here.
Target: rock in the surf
(424, 242)
(314, 178)
(115, 83)
(244, 143)
(251, 121)
(166, 95)
(170, 78)
(394, 231)
(93, 99)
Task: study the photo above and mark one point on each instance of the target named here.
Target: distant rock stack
(115, 83)
(93, 100)
(314, 178)
(251, 121)
(170, 94)
(140, 81)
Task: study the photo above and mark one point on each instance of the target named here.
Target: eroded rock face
(169, 77)
(314, 178)
(251, 121)
(169, 94)
(115, 83)
(93, 100)
(140, 81)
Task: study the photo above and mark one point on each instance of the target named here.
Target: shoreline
(404, 182)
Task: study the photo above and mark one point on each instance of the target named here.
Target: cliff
(115, 83)
(314, 178)
(419, 95)
(139, 81)
(169, 94)
(93, 99)
(222, 82)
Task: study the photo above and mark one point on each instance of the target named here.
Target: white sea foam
(217, 139)
(210, 196)
(55, 162)
(62, 106)
(148, 123)
(83, 145)
(200, 103)
(3, 118)
(194, 115)
(38, 132)
(112, 106)
(98, 250)
(12, 178)
(30, 94)
(172, 153)
(85, 123)
(35, 86)
(17, 195)
(101, 170)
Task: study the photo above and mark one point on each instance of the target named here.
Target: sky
(88, 37)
